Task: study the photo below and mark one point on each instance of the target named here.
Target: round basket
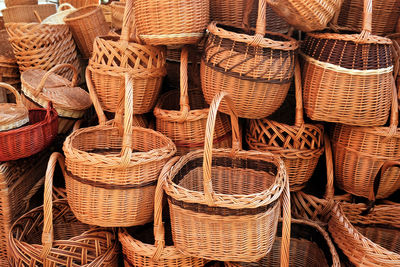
(80, 3)
(12, 115)
(9, 72)
(10, 3)
(142, 249)
(255, 69)
(62, 12)
(186, 126)
(347, 77)
(167, 22)
(206, 195)
(70, 101)
(113, 57)
(86, 24)
(108, 183)
(300, 146)
(51, 235)
(28, 13)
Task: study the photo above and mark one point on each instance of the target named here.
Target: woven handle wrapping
(95, 100)
(126, 22)
(261, 19)
(394, 114)
(367, 20)
(286, 225)
(299, 117)
(127, 145)
(184, 96)
(48, 235)
(18, 98)
(74, 81)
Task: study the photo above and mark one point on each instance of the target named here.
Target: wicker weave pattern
(20, 2)
(27, 14)
(117, 14)
(9, 72)
(80, 3)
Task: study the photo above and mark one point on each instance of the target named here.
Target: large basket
(300, 146)
(86, 24)
(167, 22)
(10, 3)
(30, 139)
(186, 126)
(43, 46)
(310, 245)
(255, 69)
(9, 72)
(139, 253)
(113, 57)
(308, 15)
(213, 216)
(28, 14)
(347, 77)
(108, 183)
(51, 235)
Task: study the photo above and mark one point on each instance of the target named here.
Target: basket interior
(384, 236)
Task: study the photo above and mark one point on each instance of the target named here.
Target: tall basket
(255, 69)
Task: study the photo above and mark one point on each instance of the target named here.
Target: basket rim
(372, 39)
(90, 12)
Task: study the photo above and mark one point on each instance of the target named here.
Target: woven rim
(86, 10)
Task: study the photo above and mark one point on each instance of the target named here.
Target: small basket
(108, 183)
(10, 3)
(140, 253)
(186, 126)
(51, 235)
(86, 24)
(167, 22)
(71, 102)
(28, 14)
(255, 69)
(12, 115)
(213, 216)
(62, 12)
(310, 245)
(113, 57)
(347, 77)
(300, 146)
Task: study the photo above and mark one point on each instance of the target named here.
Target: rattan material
(169, 22)
(80, 3)
(300, 146)
(71, 102)
(64, 241)
(58, 18)
(213, 216)
(9, 72)
(117, 14)
(86, 24)
(385, 14)
(186, 126)
(113, 57)
(27, 14)
(255, 69)
(111, 178)
(141, 254)
(12, 115)
(308, 15)
(20, 2)
(347, 77)
(42, 46)
(310, 245)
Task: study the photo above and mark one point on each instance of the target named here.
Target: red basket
(31, 139)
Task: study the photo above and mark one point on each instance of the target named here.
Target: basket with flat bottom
(50, 235)
(70, 101)
(12, 115)
(183, 124)
(213, 215)
(310, 245)
(9, 72)
(138, 251)
(300, 146)
(255, 69)
(347, 77)
(112, 173)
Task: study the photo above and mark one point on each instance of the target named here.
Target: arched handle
(127, 22)
(367, 20)
(18, 98)
(394, 113)
(51, 71)
(299, 116)
(330, 175)
(93, 96)
(68, 5)
(184, 84)
(286, 225)
(127, 145)
(209, 140)
(377, 180)
(48, 235)
(159, 230)
(261, 20)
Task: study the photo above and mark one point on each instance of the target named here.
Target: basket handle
(74, 81)
(367, 20)
(299, 117)
(184, 97)
(68, 5)
(394, 114)
(261, 21)
(48, 235)
(93, 96)
(127, 21)
(286, 225)
(159, 230)
(209, 140)
(18, 98)
(385, 166)
(330, 175)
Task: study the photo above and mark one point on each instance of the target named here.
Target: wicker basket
(86, 24)
(139, 253)
(113, 57)
(169, 22)
(28, 14)
(310, 245)
(71, 102)
(10, 3)
(51, 235)
(58, 18)
(42, 46)
(300, 146)
(108, 183)
(255, 69)
(186, 126)
(9, 72)
(204, 209)
(117, 14)
(12, 115)
(347, 77)
(80, 3)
